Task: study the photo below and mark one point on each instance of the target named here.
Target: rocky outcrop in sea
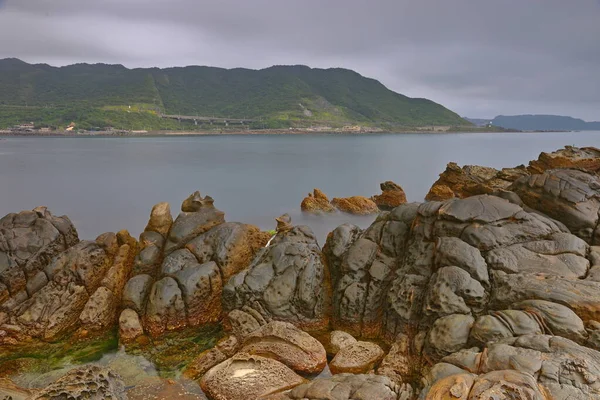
(490, 292)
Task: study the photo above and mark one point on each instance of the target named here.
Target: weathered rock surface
(130, 327)
(90, 383)
(338, 340)
(287, 281)
(471, 180)
(10, 391)
(570, 196)
(357, 358)
(245, 377)
(348, 387)
(182, 266)
(357, 205)
(362, 266)
(585, 159)
(392, 195)
(284, 342)
(317, 202)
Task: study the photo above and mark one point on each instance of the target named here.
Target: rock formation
(392, 195)
(585, 159)
(316, 202)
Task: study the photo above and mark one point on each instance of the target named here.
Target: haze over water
(108, 184)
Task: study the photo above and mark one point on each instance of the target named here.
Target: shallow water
(108, 184)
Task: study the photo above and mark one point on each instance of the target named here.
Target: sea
(107, 184)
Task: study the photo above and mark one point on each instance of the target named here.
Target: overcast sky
(479, 58)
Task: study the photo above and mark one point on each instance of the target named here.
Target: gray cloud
(477, 57)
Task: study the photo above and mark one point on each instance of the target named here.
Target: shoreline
(6, 134)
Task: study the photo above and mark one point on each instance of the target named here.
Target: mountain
(544, 123)
(279, 96)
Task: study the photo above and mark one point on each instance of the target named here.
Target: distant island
(101, 97)
(537, 123)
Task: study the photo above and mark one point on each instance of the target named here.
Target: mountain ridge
(280, 96)
(544, 122)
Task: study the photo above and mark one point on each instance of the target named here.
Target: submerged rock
(316, 202)
(357, 205)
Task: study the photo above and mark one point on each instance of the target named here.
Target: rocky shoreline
(489, 290)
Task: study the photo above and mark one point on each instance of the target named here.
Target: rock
(391, 197)
(130, 327)
(400, 361)
(472, 180)
(10, 391)
(585, 158)
(165, 309)
(284, 223)
(455, 387)
(160, 219)
(231, 245)
(201, 287)
(100, 312)
(348, 387)
(89, 382)
(570, 196)
(338, 340)
(243, 324)
(289, 345)
(245, 377)
(362, 266)
(287, 281)
(203, 363)
(357, 358)
(357, 205)
(449, 334)
(316, 202)
(166, 389)
(198, 216)
(28, 241)
(533, 367)
(136, 292)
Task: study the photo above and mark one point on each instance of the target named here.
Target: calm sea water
(108, 184)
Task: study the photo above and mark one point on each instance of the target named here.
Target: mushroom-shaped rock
(357, 358)
(284, 342)
(316, 202)
(244, 377)
(392, 195)
(357, 205)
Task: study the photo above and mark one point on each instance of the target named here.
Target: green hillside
(103, 95)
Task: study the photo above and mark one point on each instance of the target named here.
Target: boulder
(287, 281)
(201, 288)
(338, 340)
(160, 219)
(316, 202)
(245, 377)
(203, 363)
(348, 387)
(100, 311)
(130, 327)
(585, 159)
(570, 196)
(357, 358)
(165, 309)
(88, 382)
(357, 205)
(392, 196)
(285, 343)
(472, 180)
(136, 292)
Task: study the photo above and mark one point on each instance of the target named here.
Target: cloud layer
(478, 57)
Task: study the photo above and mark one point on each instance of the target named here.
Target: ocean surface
(109, 184)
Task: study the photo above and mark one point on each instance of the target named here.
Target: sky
(480, 58)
